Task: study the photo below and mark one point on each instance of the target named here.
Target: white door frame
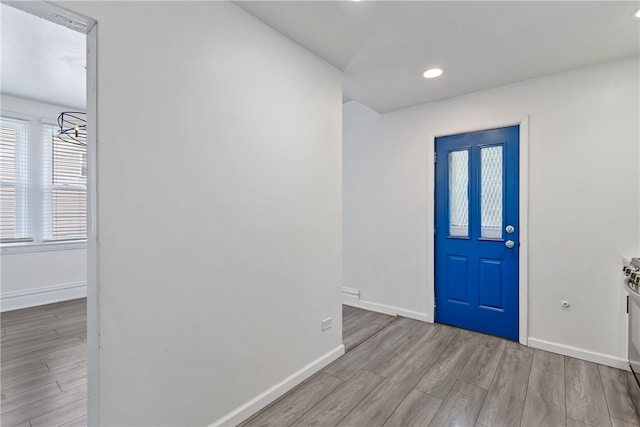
(523, 270)
(93, 278)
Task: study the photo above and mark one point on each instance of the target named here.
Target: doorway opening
(47, 237)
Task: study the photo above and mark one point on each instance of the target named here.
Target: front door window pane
(491, 192)
(459, 193)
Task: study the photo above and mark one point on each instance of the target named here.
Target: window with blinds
(13, 181)
(65, 206)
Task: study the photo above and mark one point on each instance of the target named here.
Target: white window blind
(65, 204)
(13, 180)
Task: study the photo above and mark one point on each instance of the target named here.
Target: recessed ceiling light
(432, 73)
(638, 14)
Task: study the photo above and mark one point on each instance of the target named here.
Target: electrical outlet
(326, 324)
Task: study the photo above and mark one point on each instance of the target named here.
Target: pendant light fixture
(72, 127)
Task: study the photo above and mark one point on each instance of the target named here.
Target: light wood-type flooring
(397, 372)
(410, 373)
(44, 365)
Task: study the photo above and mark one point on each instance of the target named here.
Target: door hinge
(435, 157)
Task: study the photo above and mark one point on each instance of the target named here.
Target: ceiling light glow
(432, 73)
(638, 14)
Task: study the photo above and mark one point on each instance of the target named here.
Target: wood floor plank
(437, 342)
(389, 359)
(61, 362)
(366, 330)
(416, 410)
(28, 382)
(575, 423)
(72, 350)
(545, 402)
(622, 394)
(41, 336)
(444, 372)
(620, 423)
(483, 363)
(359, 318)
(295, 404)
(378, 406)
(17, 339)
(333, 408)
(461, 407)
(80, 422)
(8, 322)
(23, 326)
(78, 302)
(504, 404)
(18, 372)
(410, 323)
(584, 393)
(60, 416)
(547, 361)
(345, 367)
(513, 345)
(35, 349)
(33, 395)
(72, 380)
(347, 309)
(43, 406)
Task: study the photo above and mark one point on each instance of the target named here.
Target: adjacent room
(43, 220)
(355, 213)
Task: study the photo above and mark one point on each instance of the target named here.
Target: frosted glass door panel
(459, 193)
(491, 192)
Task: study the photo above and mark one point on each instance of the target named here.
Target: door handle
(509, 244)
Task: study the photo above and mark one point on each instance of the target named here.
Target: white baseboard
(39, 296)
(351, 297)
(579, 353)
(262, 400)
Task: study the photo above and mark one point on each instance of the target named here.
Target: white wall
(219, 211)
(38, 274)
(583, 201)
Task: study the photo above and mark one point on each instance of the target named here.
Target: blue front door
(477, 231)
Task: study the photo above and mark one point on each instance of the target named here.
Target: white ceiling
(42, 60)
(384, 46)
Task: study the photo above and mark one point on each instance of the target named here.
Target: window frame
(49, 132)
(20, 183)
(36, 190)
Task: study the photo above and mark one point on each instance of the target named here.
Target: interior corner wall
(219, 211)
(583, 201)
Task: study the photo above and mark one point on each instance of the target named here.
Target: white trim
(351, 297)
(93, 235)
(24, 248)
(54, 13)
(579, 353)
(523, 261)
(263, 399)
(40, 296)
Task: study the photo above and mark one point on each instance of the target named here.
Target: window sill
(28, 247)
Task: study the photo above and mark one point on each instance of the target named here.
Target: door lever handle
(509, 244)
